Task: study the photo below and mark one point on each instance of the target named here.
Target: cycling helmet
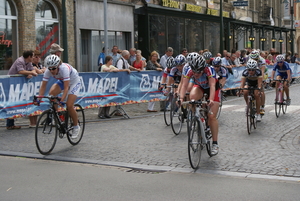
(170, 62)
(207, 55)
(52, 60)
(200, 64)
(180, 60)
(251, 64)
(254, 54)
(280, 58)
(191, 57)
(217, 61)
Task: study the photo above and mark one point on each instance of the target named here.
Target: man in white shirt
(163, 59)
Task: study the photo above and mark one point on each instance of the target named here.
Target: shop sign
(225, 14)
(193, 8)
(170, 4)
(212, 12)
(3, 41)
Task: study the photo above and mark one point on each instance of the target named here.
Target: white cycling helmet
(207, 55)
(217, 61)
(280, 58)
(180, 60)
(200, 64)
(170, 62)
(52, 60)
(191, 57)
(254, 54)
(251, 64)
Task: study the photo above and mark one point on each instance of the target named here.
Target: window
(46, 26)
(158, 33)
(8, 35)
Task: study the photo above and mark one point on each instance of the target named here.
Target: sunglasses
(280, 62)
(54, 68)
(251, 69)
(217, 66)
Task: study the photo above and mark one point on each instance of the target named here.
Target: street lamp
(251, 38)
(230, 36)
(263, 40)
(273, 39)
(280, 40)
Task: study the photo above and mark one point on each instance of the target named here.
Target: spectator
(184, 52)
(101, 58)
(122, 63)
(36, 62)
(139, 63)
(163, 59)
(22, 65)
(218, 54)
(115, 55)
(143, 58)
(226, 62)
(243, 57)
(224, 53)
(288, 57)
(103, 112)
(56, 49)
(200, 52)
(232, 61)
(163, 64)
(152, 64)
(295, 59)
(269, 60)
(132, 56)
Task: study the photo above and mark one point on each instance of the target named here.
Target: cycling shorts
(217, 97)
(73, 88)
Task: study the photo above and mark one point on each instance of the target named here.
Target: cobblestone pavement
(272, 149)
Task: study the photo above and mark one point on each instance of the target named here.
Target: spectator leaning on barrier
(152, 64)
(295, 59)
(139, 63)
(122, 63)
(36, 62)
(103, 112)
(22, 65)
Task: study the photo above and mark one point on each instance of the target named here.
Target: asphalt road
(144, 142)
(30, 179)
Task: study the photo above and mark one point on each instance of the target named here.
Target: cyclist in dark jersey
(252, 77)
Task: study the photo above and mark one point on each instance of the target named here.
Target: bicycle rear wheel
(284, 106)
(167, 114)
(81, 123)
(194, 143)
(176, 117)
(253, 113)
(46, 132)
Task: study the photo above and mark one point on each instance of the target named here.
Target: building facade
(78, 26)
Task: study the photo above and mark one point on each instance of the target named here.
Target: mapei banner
(97, 89)
(234, 80)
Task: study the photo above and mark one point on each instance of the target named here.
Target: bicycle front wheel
(194, 143)
(176, 117)
(249, 118)
(46, 132)
(167, 114)
(81, 123)
(278, 104)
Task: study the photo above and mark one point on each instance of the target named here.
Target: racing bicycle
(199, 134)
(52, 123)
(281, 103)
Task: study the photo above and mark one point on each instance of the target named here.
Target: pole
(65, 32)
(221, 28)
(292, 27)
(105, 27)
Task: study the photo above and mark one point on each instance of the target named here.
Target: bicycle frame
(280, 91)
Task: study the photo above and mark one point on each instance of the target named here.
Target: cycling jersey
(252, 79)
(202, 81)
(282, 71)
(166, 72)
(65, 73)
(222, 73)
(176, 74)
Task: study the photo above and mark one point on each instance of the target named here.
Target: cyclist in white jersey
(261, 64)
(68, 79)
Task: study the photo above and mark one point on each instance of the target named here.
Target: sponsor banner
(97, 89)
(234, 80)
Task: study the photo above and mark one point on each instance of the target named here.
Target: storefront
(182, 25)
(90, 30)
